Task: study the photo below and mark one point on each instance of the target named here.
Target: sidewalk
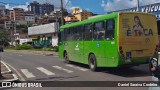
(45, 53)
(7, 73)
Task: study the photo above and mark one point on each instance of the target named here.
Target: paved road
(50, 68)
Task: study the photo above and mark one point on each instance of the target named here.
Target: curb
(9, 70)
(15, 78)
(19, 75)
(11, 80)
(43, 54)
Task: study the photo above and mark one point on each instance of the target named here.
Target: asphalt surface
(51, 68)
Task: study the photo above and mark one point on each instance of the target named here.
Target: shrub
(45, 49)
(23, 47)
(56, 48)
(18, 47)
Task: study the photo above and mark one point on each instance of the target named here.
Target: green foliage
(55, 48)
(24, 30)
(23, 47)
(45, 49)
(4, 38)
(3, 35)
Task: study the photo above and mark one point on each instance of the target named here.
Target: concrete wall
(43, 29)
(24, 40)
(54, 40)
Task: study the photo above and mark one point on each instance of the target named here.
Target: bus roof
(99, 18)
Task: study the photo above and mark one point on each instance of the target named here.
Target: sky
(95, 6)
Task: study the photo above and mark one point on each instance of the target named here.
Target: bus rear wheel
(66, 58)
(92, 62)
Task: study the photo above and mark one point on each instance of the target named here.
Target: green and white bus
(111, 40)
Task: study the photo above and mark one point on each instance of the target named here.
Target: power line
(66, 3)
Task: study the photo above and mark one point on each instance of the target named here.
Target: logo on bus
(76, 46)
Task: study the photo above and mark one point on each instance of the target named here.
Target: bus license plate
(139, 51)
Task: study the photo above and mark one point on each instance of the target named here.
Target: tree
(4, 38)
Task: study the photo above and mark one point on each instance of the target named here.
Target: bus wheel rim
(66, 57)
(92, 64)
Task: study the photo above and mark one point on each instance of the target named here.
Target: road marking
(18, 73)
(45, 71)
(20, 55)
(60, 68)
(76, 67)
(27, 73)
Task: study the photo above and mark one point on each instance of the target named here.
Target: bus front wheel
(92, 62)
(66, 58)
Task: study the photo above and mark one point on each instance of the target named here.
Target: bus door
(110, 42)
(78, 48)
(98, 44)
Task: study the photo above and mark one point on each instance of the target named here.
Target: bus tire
(92, 62)
(66, 58)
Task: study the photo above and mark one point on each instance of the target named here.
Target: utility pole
(137, 5)
(62, 22)
(12, 33)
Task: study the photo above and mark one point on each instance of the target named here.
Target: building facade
(2, 21)
(17, 14)
(30, 18)
(71, 18)
(2, 10)
(8, 25)
(81, 14)
(44, 35)
(40, 9)
(78, 15)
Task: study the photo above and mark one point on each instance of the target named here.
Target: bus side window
(67, 34)
(99, 31)
(88, 32)
(75, 34)
(79, 33)
(109, 30)
(71, 36)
